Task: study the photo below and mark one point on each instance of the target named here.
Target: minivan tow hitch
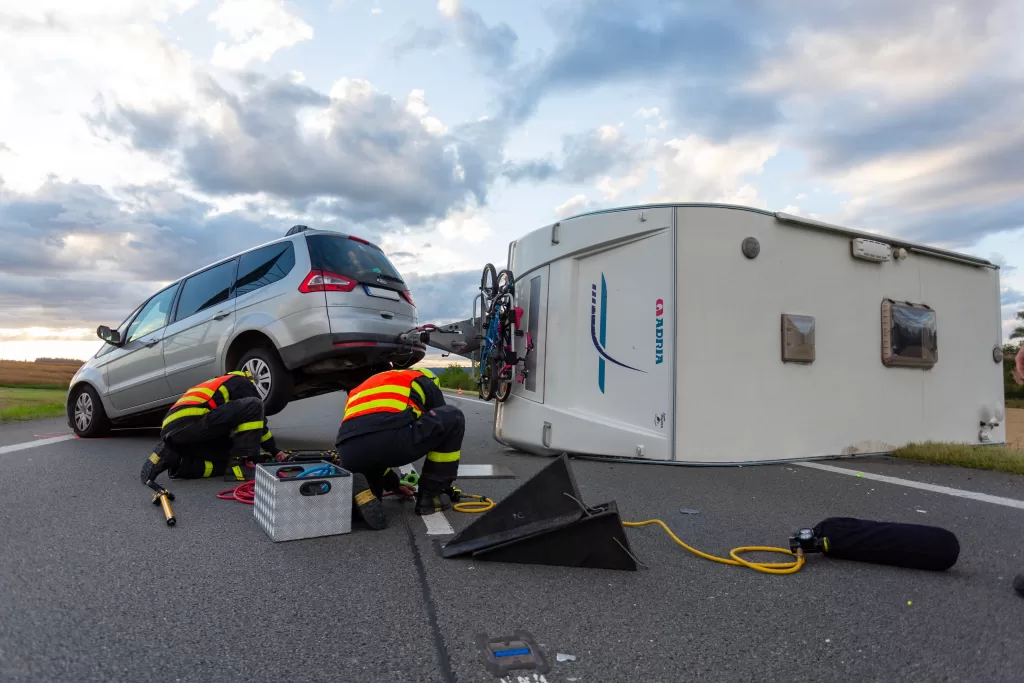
(417, 335)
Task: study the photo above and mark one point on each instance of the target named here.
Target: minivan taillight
(326, 281)
(407, 295)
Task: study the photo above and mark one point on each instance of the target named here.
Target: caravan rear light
(326, 281)
(407, 295)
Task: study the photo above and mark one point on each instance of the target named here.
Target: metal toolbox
(290, 506)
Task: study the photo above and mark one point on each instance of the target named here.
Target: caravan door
(532, 297)
(624, 341)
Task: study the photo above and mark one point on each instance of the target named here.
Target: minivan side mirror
(108, 335)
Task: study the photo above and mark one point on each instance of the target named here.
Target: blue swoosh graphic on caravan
(593, 326)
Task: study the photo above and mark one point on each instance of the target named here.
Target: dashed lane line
(437, 524)
(35, 443)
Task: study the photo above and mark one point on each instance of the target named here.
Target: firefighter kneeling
(213, 429)
(392, 419)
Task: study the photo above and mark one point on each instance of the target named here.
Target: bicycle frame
(497, 350)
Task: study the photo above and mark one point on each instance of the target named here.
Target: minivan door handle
(222, 315)
(150, 343)
(387, 315)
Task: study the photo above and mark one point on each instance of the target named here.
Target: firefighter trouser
(225, 437)
(436, 435)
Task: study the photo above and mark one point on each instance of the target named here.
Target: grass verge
(997, 458)
(21, 404)
(1015, 403)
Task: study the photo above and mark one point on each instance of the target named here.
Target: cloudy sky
(140, 139)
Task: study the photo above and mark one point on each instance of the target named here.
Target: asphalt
(93, 585)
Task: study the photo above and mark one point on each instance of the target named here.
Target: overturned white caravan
(714, 334)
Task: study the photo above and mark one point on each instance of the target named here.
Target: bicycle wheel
(502, 385)
(486, 382)
(505, 279)
(503, 390)
(489, 285)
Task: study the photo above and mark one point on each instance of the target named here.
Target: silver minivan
(314, 312)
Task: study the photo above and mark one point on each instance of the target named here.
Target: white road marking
(437, 524)
(959, 493)
(33, 444)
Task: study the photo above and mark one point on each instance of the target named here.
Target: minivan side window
(205, 289)
(263, 266)
(153, 315)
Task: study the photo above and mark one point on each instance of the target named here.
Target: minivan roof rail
(295, 229)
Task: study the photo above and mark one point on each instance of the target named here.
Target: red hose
(243, 493)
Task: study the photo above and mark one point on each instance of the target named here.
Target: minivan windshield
(357, 260)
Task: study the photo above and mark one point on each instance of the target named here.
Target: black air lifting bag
(915, 546)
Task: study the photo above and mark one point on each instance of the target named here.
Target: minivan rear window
(362, 262)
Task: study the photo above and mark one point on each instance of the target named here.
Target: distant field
(43, 375)
(30, 404)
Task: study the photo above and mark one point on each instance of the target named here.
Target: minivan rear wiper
(390, 277)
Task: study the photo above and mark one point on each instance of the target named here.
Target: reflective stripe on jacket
(391, 391)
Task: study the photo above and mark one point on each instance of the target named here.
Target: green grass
(57, 387)
(1015, 403)
(996, 458)
(22, 403)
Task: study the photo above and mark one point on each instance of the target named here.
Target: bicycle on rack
(501, 327)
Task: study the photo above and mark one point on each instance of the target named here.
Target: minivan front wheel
(272, 379)
(88, 418)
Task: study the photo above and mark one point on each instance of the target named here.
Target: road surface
(94, 586)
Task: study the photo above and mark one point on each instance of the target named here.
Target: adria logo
(659, 332)
(599, 332)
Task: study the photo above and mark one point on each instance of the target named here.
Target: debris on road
(562, 657)
(687, 511)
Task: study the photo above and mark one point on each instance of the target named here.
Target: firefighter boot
(366, 503)
(431, 498)
(239, 468)
(159, 460)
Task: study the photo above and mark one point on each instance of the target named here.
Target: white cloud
(258, 29)
(651, 113)
(686, 169)
(612, 188)
(695, 169)
(571, 206)
(896, 65)
(448, 8)
(56, 59)
(793, 209)
(416, 104)
(376, 10)
(801, 196)
(465, 225)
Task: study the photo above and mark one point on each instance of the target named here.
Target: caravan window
(909, 335)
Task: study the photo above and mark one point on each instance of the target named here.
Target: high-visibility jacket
(202, 398)
(389, 400)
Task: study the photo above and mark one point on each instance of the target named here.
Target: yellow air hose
(737, 561)
(480, 504)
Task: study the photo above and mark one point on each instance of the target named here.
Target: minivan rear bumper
(365, 349)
